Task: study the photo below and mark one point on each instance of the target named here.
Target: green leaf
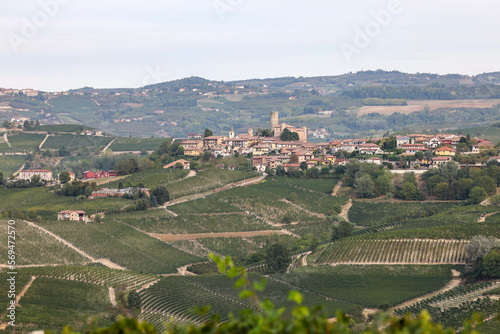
(246, 293)
(239, 283)
(295, 296)
(259, 286)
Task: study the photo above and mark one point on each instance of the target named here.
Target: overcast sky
(61, 44)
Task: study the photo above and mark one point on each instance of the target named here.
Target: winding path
(345, 210)
(6, 139)
(337, 188)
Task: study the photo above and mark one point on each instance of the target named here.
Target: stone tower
(274, 119)
(231, 133)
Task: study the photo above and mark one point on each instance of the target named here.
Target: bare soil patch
(417, 105)
(178, 237)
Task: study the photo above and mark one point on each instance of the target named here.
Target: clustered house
(98, 175)
(44, 174)
(107, 192)
(74, 215)
(271, 151)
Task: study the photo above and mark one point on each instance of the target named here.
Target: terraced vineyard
(35, 247)
(368, 285)
(320, 185)
(451, 307)
(177, 296)
(93, 275)
(393, 251)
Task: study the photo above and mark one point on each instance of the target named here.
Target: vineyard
(136, 144)
(35, 247)
(393, 251)
(205, 181)
(92, 274)
(369, 286)
(123, 245)
(75, 142)
(26, 141)
(452, 306)
(177, 297)
(10, 164)
(366, 213)
(150, 178)
(53, 304)
(209, 204)
(319, 185)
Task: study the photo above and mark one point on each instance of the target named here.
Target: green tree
(294, 159)
(383, 184)
(134, 300)
(343, 230)
(278, 255)
(303, 165)
(441, 190)
(364, 186)
(208, 133)
(410, 192)
(477, 195)
(162, 195)
(288, 135)
(490, 264)
(419, 155)
(64, 177)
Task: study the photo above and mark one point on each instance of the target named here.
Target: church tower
(274, 119)
(231, 133)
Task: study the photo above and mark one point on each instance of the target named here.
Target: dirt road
(345, 210)
(193, 236)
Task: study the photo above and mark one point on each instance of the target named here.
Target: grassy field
(136, 144)
(123, 245)
(35, 247)
(370, 285)
(10, 164)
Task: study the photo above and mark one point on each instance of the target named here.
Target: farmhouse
(98, 175)
(369, 148)
(181, 162)
(445, 151)
(77, 215)
(402, 140)
(106, 192)
(436, 161)
(27, 174)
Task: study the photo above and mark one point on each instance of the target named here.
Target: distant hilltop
(360, 78)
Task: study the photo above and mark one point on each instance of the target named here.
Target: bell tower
(274, 119)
